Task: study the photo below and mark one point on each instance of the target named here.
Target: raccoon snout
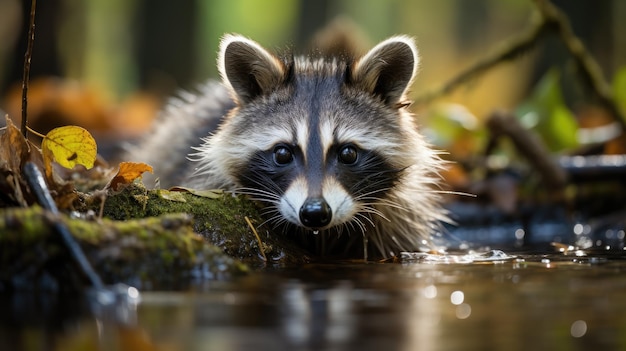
(315, 213)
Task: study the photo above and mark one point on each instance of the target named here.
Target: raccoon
(326, 144)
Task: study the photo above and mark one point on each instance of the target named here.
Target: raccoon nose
(315, 213)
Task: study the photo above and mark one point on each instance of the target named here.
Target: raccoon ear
(247, 69)
(388, 69)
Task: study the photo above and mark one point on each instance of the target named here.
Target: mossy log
(219, 217)
(146, 238)
(160, 252)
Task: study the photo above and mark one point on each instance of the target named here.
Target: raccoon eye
(348, 155)
(282, 155)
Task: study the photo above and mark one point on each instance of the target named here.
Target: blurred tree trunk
(45, 46)
(311, 14)
(165, 45)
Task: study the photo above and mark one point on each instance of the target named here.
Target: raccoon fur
(326, 144)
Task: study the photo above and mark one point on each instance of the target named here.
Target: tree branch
(509, 50)
(548, 19)
(590, 70)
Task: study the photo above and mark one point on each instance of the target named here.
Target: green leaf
(546, 113)
(619, 88)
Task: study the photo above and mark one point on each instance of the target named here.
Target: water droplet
(133, 293)
(578, 229)
(457, 297)
(430, 292)
(578, 329)
(463, 311)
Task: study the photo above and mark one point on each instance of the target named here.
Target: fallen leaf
(210, 193)
(69, 146)
(172, 195)
(14, 150)
(129, 171)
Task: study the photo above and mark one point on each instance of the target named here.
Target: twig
(549, 19)
(509, 50)
(27, 58)
(35, 132)
(40, 189)
(590, 70)
(258, 238)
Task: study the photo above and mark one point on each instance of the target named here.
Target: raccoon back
(181, 125)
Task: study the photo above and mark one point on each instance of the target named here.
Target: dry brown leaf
(14, 148)
(129, 171)
(14, 151)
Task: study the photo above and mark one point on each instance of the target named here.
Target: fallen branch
(40, 189)
(509, 50)
(530, 146)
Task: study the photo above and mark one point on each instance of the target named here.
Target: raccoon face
(320, 141)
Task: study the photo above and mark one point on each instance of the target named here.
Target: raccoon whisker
(370, 202)
(261, 196)
(271, 214)
(384, 175)
(271, 219)
(269, 211)
(363, 215)
(375, 191)
(262, 199)
(272, 202)
(257, 192)
(374, 200)
(387, 203)
(377, 241)
(447, 192)
(369, 209)
(264, 182)
(348, 226)
(368, 184)
(359, 223)
(277, 221)
(265, 187)
(341, 229)
(338, 229)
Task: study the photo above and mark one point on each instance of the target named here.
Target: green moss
(220, 219)
(153, 252)
(147, 238)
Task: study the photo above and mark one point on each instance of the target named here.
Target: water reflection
(324, 315)
(530, 302)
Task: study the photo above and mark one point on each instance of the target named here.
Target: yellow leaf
(210, 193)
(129, 171)
(69, 146)
(172, 195)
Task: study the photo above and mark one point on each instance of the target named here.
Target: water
(568, 300)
